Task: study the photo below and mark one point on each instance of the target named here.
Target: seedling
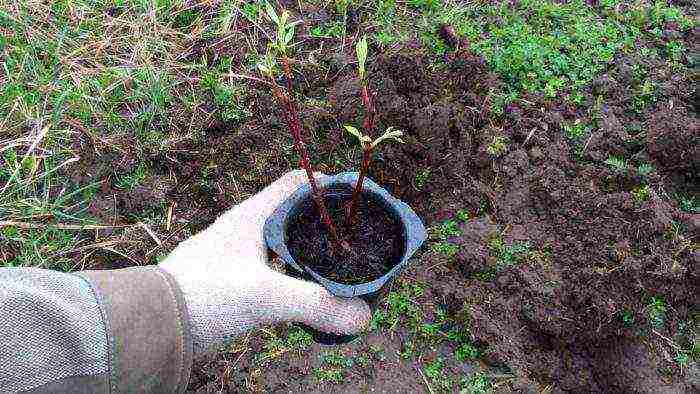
(366, 141)
(279, 49)
(368, 146)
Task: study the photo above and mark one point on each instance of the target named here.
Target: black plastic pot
(276, 236)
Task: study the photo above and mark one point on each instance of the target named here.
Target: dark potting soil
(376, 239)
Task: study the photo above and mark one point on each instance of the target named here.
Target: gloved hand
(229, 289)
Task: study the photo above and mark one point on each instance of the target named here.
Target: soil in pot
(376, 238)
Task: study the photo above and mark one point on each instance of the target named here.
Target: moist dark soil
(375, 238)
(576, 313)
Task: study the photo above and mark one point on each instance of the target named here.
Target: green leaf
(271, 13)
(389, 134)
(289, 35)
(362, 138)
(361, 50)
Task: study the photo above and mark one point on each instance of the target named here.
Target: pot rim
(414, 232)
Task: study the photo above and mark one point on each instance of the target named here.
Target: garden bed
(562, 205)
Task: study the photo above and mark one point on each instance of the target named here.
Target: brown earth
(551, 321)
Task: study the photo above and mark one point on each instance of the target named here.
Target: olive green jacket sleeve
(119, 331)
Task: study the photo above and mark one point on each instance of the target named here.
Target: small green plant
(251, 10)
(408, 350)
(645, 169)
(328, 30)
(434, 370)
(688, 203)
(641, 193)
(399, 307)
(446, 248)
(675, 50)
(467, 351)
(448, 228)
(479, 383)
(618, 164)
(497, 146)
(333, 367)
(627, 317)
(644, 97)
(656, 310)
(329, 375)
(299, 339)
(508, 254)
(463, 215)
(577, 129)
(422, 177)
(682, 358)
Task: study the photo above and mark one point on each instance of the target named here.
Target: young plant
(368, 125)
(368, 146)
(279, 48)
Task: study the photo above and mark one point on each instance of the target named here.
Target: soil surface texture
(375, 239)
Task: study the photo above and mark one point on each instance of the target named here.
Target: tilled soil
(600, 252)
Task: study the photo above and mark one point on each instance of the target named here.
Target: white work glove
(229, 289)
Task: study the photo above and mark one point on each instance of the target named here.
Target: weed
(463, 215)
(577, 129)
(251, 10)
(299, 339)
(331, 375)
(422, 177)
(448, 228)
(644, 97)
(657, 311)
(467, 351)
(486, 275)
(688, 203)
(497, 146)
(446, 248)
(618, 164)
(508, 254)
(645, 169)
(328, 30)
(682, 358)
(641, 193)
(675, 50)
(408, 350)
(543, 46)
(399, 307)
(627, 317)
(434, 370)
(333, 367)
(479, 383)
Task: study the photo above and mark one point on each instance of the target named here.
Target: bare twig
(151, 233)
(430, 389)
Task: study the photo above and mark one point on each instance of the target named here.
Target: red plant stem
(291, 117)
(366, 159)
(368, 125)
